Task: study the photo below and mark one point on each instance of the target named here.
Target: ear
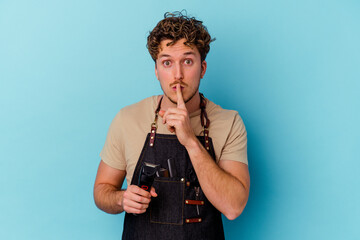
(156, 72)
(203, 68)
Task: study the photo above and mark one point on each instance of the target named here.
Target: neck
(192, 105)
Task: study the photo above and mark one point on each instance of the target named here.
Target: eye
(166, 63)
(188, 61)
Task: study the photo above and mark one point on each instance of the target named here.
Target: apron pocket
(168, 206)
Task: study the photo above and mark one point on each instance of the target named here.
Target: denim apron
(180, 211)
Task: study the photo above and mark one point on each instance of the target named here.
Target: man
(202, 146)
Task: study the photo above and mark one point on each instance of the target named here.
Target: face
(179, 63)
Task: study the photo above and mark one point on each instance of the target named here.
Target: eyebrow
(189, 53)
(167, 55)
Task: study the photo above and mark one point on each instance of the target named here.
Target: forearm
(227, 193)
(108, 198)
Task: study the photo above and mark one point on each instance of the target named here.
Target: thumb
(152, 192)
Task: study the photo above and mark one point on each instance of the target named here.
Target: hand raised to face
(177, 119)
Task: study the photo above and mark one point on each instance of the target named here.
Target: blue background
(291, 69)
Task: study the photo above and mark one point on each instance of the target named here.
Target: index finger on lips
(180, 99)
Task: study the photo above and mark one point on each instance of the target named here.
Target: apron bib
(180, 211)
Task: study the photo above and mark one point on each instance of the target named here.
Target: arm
(225, 185)
(109, 196)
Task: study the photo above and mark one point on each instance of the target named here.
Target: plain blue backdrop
(291, 69)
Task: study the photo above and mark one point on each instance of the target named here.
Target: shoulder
(148, 103)
(134, 110)
(219, 115)
(136, 114)
(228, 133)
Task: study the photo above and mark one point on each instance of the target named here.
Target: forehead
(177, 49)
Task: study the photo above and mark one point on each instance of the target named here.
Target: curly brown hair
(176, 26)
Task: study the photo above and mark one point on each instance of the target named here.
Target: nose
(178, 72)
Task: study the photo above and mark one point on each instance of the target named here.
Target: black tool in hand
(147, 175)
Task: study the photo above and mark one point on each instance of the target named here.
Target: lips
(181, 87)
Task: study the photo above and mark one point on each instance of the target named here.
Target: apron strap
(154, 124)
(207, 121)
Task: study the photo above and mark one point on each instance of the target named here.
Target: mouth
(174, 88)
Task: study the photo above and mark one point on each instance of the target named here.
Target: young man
(206, 145)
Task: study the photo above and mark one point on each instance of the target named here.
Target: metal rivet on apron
(152, 131)
(188, 184)
(152, 137)
(182, 179)
(186, 201)
(151, 144)
(207, 148)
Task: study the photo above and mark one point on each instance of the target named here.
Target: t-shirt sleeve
(235, 148)
(113, 151)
